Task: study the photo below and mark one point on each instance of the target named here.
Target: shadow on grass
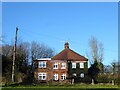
(32, 86)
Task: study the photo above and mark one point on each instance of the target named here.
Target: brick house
(64, 65)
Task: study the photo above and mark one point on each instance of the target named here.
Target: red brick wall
(49, 69)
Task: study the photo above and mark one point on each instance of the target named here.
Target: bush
(103, 79)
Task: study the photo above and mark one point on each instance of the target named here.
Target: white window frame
(82, 75)
(55, 76)
(42, 76)
(81, 65)
(56, 65)
(63, 76)
(63, 65)
(74, 74)
(73, 65)
(41, 64)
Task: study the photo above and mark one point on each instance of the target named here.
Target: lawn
(63, 87)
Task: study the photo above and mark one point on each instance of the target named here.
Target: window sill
(63, 68)
(55, 68)
(42, 67)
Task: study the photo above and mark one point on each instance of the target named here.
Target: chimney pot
(66, 45)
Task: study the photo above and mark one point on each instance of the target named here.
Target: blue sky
(54, 23)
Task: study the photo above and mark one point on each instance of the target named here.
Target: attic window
(73, 65)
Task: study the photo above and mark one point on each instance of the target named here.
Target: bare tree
(96, 50)
(100, 52)
(108, 69)
(96, 55)
(40, 51)
(23, 50)
(7, 50)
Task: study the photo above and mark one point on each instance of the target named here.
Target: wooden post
(14, 57)
(92, 81)
(112, 82)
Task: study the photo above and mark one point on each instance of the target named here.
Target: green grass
(63, 87)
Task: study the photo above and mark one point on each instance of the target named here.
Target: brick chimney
(66, 45)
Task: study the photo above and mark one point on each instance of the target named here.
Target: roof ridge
(69, 54)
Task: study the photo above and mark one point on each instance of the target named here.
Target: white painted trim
(78, 61)
(42, 75)
(44, 59)
(56, 75)
(64, 75)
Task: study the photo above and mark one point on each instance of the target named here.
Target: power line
(55, 37)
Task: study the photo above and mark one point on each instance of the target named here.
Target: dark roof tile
(68, 54)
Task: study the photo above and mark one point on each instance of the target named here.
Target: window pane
(44, 77)
(63, 76)
(63, 65)
(55, 76)
(42, 64)
(55, 66)
(82, 75)
(81, 65)
(73, 65)
(40, 77)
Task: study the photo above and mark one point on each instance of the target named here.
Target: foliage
(104, 78)
(93, 71)
(70, 73)
(23, 62)
(6, 68)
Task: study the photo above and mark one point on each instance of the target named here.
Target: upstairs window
(42, 76)
(63, 65)
(73, 65)
(81, 65)
(63, 76)
(55, 66)
(42, 64)
(55, 76)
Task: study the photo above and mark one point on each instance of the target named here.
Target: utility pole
(14, 56)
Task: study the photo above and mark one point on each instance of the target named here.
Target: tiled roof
(68, 54)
